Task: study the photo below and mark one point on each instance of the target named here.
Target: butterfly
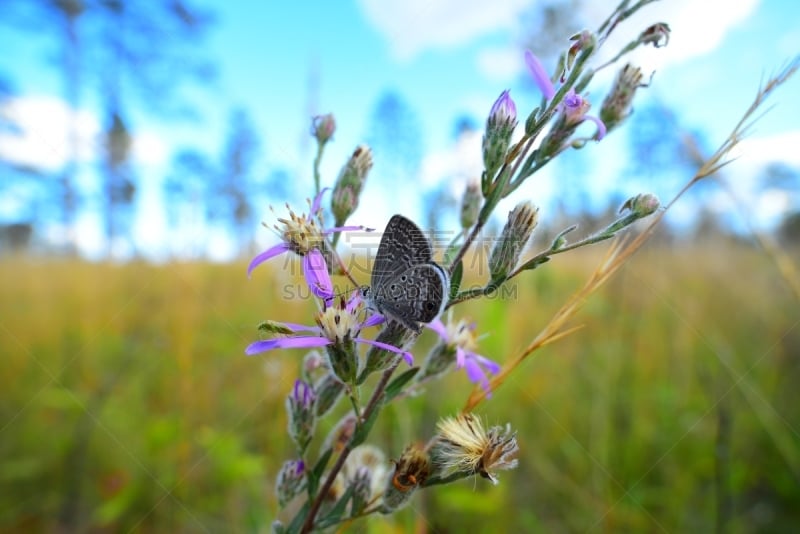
(406, 285)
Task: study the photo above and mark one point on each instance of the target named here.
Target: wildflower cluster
(340, 477)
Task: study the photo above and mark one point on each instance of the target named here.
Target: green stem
(373, 403)
(317, 161)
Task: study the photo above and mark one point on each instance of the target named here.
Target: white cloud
(40, 137)
(413, 26)
(500, 63)
(457, 165)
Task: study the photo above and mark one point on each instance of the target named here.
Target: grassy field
(128, 404)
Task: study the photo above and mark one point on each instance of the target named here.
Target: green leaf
(336, 513)
(299, 519)
(315, 474)
(451, 252)
(560, 240)
(455, 279)
(534, 263)
(396, 386)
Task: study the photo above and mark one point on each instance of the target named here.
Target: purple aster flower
(337, 322)
(300, 234)
(574, 106)
(461, 336)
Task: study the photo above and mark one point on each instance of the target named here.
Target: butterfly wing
(417, 295)
(402, 246)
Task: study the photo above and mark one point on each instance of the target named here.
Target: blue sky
(447, 59)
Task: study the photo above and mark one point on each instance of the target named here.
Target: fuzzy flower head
(460, 339)
(411, 472)
(464, 446)
(618, 103)
(299, 234)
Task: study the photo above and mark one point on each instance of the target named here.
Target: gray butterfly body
(406, 285)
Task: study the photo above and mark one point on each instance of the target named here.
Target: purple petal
(490, 365)
(267, 254)
(317, 201)
(539, 75)
(438, 326)
(315, 271)
(476, 375)
(373, 320)
(354, 301)
(344, 229)
(407, 356)
(286, 343)
(504, 110)
(460, 357)
(601, 127)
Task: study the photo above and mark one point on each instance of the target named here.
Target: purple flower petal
(344, 229)
(373, 320)
(317, 201)
(438, 326)
(476, 375)
(286, 343)
(354, 301)
(490, 365)
(460, 357)
(601, 127)
(407, 356)
(539, 75)
(267, 254)
(315, 271)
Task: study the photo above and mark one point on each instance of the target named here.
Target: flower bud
(347, 189)
(573, 112)
(439, 359)
(497, 137)
(641, 205)
(657, 35)
(340, 435)
(312, 362)
(328, 389)
(343, 360)
(516, 233)
(583, 41)
(410, 472)
(323, 127)
(617, 104)
(470, 205)
(362, 490)
(300, 408)
(290, 481)
(393, 333)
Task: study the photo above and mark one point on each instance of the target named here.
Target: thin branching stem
(372, 405)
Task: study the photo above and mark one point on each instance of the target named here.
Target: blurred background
(142, 143)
